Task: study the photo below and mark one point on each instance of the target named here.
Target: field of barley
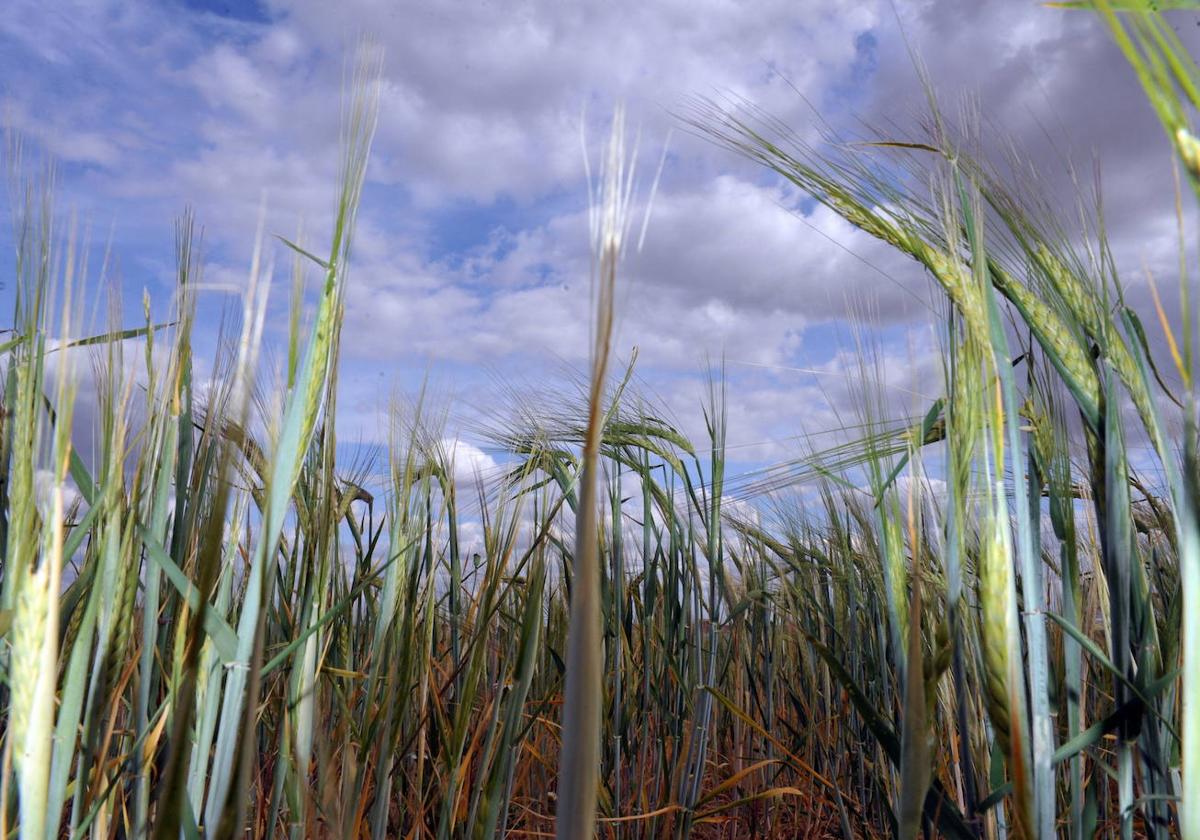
(982, 621)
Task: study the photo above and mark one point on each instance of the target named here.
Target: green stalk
(583, 694)
(1028, 553)
(295, 435)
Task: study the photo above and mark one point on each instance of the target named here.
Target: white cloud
(483, 103)
(46, 486)
(485, 99)
(470, 463)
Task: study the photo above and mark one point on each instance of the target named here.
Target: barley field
(982, 621)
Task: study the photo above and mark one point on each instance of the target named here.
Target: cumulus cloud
(46, 486)
(472, 246)
(470, 463)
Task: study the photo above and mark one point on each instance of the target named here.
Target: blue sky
(471, 259)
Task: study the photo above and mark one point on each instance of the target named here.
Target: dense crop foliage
(983, 621)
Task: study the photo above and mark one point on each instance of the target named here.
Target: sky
(471, 258)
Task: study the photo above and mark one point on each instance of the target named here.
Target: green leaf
(223, 638)
(307, 254)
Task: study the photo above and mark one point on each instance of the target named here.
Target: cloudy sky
(471, 260)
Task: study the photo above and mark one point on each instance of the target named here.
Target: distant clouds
(472, 247)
